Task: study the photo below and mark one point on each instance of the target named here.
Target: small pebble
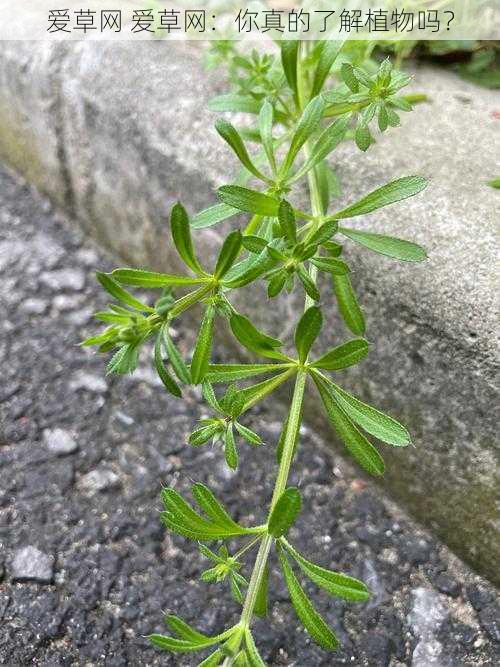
(69, 279)
(60, 442)
(93, 383)
(31, 564)
(97, 481)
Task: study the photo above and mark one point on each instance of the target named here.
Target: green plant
(287, 248)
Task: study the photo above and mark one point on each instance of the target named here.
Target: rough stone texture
(123, 131)
(59, 441)
(116, 570)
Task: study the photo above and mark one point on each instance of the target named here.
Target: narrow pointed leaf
(230, 451)
(309, 617)
(254, 244)
(285, 512)
(371, 420)
(307, 125)
(307, 331)
(254, 339)
(328, 56)
(209, 396)
(248, 434)
(331, 265)
(212, 507)
(170, 384)
(257, 392)
(309, 285)
(348, 77)
(266, 132)
(233, 372)
(212, 215)
(203, 434)
(152, 279)
(121, 294)
(228, 254)
(324, 233)
(235, 103)
(330, 138)
(387, 245)
(356, 443)
(348, 304)
(175, 358)
(335, 583)
(213, 660)
(183, 630)
(289, 57)
(230, 135)
(253, 655)
(343, 356)
(201, 354)
(286, 219)
(261, 601)
(363, 138)
(391, 193)
(249, 270)
(181, 235)
(248, 200)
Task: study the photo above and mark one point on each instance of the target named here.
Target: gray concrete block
(133, 134)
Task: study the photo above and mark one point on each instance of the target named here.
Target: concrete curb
(115, 132)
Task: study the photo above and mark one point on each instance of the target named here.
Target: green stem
(294, 417)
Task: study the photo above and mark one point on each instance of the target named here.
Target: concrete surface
(116, 133)
(86, 568)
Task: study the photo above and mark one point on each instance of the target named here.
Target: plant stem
(294, 417)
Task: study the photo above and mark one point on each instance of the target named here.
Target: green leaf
(254, 244)
(181, 236)
(324, 232)
(248, 434)
(343, 356)
(277, 283)
(142, 278)
(228, 254)
(370, 419)
(289, 57)
(391, 193)
(120, 294)
(328, 56)
(179, 645)
(230, 135)
(309, 286)
(212, 215)
(348, 304)
(387, 245)
(209, 395)
(285, 512)
(286, 219)
(249, 270)
(253, 655)
(261, 601)
(184, 630)
(201, 354)
(266, 117)
(213, 660)
(230, 451)
(310, 618)
(307, 125)
(247, 200)
(234, 103)
(383, 119)
(347, 74)
(170, 384)
(307, 331)
(255, 393)
(329, 139)
(495, 183)
(331, 265)
(254, 339)
(180, 368)
(356, 443)
(212, 507)
(233, 372)
(204, 434)
(334, 583)
(363, 138)
(124, 360)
